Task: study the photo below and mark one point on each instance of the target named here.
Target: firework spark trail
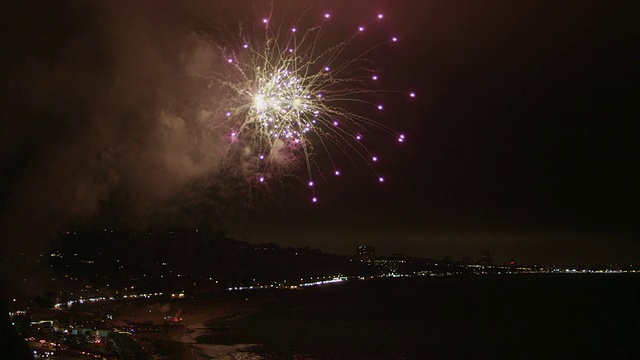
(288, 95)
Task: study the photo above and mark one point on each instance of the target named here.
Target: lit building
(366, 253)
(391, 264)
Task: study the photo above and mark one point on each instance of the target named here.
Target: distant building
(485, 257)
(448, 259)
(391, 264)
(366, 253)
(467, 260)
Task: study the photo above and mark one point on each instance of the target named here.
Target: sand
(206, 351)
(195, 314)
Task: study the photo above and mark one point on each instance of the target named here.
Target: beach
(179, 341)
(188, 337)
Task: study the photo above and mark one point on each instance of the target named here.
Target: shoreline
(195, 314)
(187, 337)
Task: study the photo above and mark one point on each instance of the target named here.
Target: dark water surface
(518, 317)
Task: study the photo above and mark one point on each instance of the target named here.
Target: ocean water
(506, 317)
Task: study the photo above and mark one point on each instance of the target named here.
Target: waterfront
(443, 315)
(584, 316)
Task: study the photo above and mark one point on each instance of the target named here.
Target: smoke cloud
(103, 118)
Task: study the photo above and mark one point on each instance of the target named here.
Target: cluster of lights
(323, 282)
(284, 285)
(104, 298)
(290, 94)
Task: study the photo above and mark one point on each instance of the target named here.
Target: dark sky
(522, 138)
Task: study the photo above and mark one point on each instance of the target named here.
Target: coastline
(195, 315)
(462, 317)
(187, 337)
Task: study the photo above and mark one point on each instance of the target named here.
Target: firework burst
(290, 94)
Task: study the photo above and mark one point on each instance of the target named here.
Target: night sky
(522, 137)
